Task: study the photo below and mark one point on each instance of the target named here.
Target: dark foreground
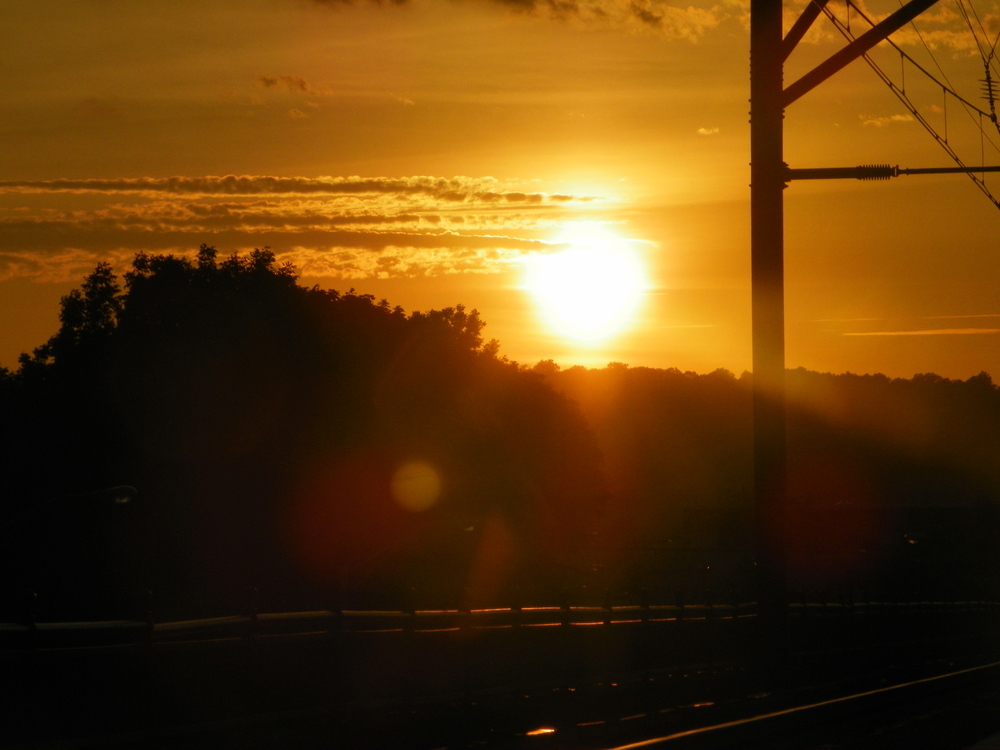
(861, 675)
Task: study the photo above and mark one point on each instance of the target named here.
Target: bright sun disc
(590, 290)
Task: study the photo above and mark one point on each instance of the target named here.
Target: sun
(590, 290)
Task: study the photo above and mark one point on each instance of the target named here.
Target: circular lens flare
(416, 486)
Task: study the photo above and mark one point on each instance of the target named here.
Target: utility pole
(768, 176)
(768, 330)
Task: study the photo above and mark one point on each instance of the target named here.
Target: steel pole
(767, 177)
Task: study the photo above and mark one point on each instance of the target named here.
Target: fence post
(35, 716)
(27, 606)
(250, 607)
(336, 612)
(464, 614)
(410, 608)
(147, 614)
(645, 650)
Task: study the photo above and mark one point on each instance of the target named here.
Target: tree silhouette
(871, 459)
(264, 422)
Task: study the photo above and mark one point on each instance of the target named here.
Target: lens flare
(416, 486)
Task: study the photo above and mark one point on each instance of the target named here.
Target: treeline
(309, 445)
(891, 482)
(686, 438)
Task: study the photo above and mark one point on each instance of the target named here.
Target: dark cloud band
(453, 190)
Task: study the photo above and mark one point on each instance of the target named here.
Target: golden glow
(590, 290)
(416, 486)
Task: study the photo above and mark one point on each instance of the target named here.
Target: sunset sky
(430, 151)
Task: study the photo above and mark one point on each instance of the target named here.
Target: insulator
(875, 172)
(989, 88)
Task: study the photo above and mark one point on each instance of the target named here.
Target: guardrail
(14, 635)
(72, 680)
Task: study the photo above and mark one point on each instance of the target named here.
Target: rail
(112, 683)
(83, 634)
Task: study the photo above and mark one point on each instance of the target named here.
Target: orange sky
(420, 151)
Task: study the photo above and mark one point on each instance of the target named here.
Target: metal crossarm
(876, 172)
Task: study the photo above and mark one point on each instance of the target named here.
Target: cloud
(938, 29)
(946, 39)
(646, 15)
(953, 317)
(672, 21)
(453, 190)
(401, 260)
(334, 3)
(930, 332)
(69, 264)
(675, 22)
(881, 122)
(66, 253)
(97, 109)
(845, 320)
(295, 84)
(350, 226)
(708, 131)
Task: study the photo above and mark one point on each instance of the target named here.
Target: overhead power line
(948, 90)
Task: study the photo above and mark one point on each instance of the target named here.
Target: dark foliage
(265, 425)
(274, 431)
(892, 482)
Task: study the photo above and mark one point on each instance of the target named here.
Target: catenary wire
(979, 181)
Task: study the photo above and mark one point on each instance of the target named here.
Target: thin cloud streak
(846, 320)
(930, 332)
(350, 227)
(883, 121)
(939, 29)
(295, 84)
(452, 190)
(678, 22)
(959, 317)
(344, 256)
